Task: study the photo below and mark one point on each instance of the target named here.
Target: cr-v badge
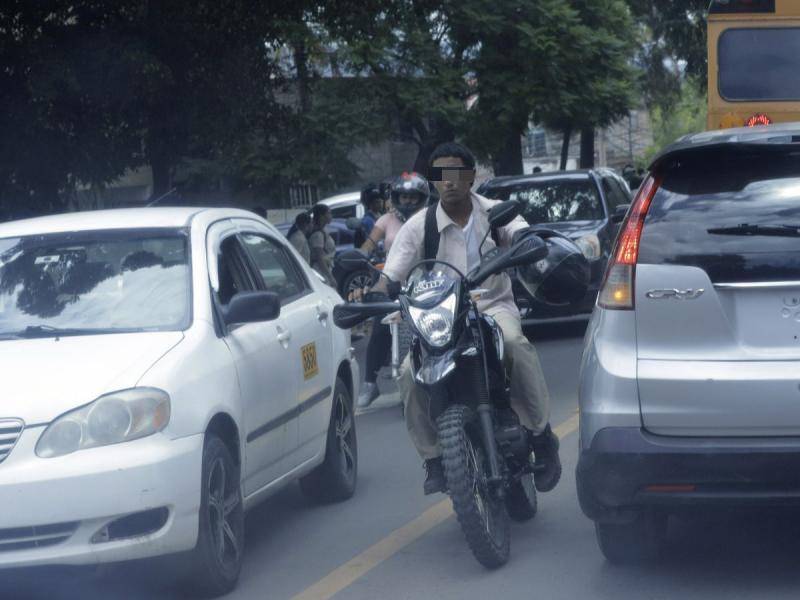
(676, 294)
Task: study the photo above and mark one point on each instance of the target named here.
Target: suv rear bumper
(627, 468)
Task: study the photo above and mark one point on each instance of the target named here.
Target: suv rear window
(552, 201)
(746, 198)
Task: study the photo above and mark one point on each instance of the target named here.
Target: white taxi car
(162, 370)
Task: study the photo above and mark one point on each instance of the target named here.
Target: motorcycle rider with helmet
(409, 193)
(451, 230)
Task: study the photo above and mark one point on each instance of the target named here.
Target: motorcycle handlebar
(350, 314)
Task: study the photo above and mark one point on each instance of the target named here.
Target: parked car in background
(586, 205)
(345, 206)
(689, 378)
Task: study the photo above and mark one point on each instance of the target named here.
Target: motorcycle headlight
(111, 419)
(589, 245)
(435, 324)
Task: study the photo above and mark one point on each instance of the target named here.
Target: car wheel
(635, 542)
(335, 479)
(217, 559)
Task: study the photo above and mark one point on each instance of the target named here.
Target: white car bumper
(55, 510)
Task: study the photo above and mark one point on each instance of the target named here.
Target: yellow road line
(337, 580)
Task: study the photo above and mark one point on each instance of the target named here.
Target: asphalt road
(392, 542)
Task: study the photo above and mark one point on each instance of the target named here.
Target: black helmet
(370, 193)
(562, 277)
(410, 183)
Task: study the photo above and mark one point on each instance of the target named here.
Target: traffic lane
(716, 555)
(292, 543)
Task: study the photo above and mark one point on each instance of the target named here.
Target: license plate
(309, 355)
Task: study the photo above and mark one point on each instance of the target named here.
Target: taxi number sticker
(309, 355)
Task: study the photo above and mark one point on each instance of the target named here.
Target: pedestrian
(410, 193)
(321, 244)
(298, 235)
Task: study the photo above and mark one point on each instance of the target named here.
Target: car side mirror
(252, 307)
(503, 213)
(619, 213)
(353, 223)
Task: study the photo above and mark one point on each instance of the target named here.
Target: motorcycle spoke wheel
(482, 516)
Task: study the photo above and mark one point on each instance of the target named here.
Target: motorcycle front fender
(430, 370)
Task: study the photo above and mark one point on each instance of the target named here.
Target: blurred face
(453, 180)
(376, 205)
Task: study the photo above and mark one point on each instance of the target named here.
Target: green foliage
(686, 115)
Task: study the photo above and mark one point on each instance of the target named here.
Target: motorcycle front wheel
(483, 517)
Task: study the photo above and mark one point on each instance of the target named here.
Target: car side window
(343, 212)
(233, 276)
(614, 194)
(279, 271)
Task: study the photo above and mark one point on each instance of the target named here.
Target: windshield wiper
(45, 331)
(786, 230)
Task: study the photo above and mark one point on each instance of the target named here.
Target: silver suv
(690, 378)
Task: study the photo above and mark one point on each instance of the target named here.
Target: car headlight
(111, 419)
(589, 245)
(435, 324)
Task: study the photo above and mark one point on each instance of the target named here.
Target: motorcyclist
(409, 193)
(459, 221)
(372, 199)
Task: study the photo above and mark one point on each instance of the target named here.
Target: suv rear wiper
(747, 229)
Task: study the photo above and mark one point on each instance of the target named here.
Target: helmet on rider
(410, 192)
(562, 277)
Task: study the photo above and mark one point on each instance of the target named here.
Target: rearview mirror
(353, 223)
(619, 213)
(252, 307)
(503, 213)
(528, 251)
(352, 260)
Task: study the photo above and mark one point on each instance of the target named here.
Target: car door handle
(322, 314)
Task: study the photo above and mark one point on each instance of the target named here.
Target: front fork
(394, 328)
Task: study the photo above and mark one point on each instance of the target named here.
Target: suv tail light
(616, 292)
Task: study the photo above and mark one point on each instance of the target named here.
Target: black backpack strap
(431, 241)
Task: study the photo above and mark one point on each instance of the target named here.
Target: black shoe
(434, 482)
(545, 449)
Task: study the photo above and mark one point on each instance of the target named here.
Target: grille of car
(40, 536)
(10, 430)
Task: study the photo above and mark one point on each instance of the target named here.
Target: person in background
(298, 235)
(410, 193)
(372, 200)
(322, 246)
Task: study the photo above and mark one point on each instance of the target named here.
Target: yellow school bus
(753, 62)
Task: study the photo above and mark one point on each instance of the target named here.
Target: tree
(675, 46)
(565, 64)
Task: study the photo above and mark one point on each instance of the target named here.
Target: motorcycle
(457, 357)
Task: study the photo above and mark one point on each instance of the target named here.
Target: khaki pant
(529, 396)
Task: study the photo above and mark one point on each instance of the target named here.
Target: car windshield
(94, 282)
(552, 201)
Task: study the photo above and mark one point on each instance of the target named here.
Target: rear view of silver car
(690, 378)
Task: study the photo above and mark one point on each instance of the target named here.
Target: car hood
(573, 229)
(44, 378)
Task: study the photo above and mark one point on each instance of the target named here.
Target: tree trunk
(301, 64)
(509, 160)
(565, 147)
(587, 148)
